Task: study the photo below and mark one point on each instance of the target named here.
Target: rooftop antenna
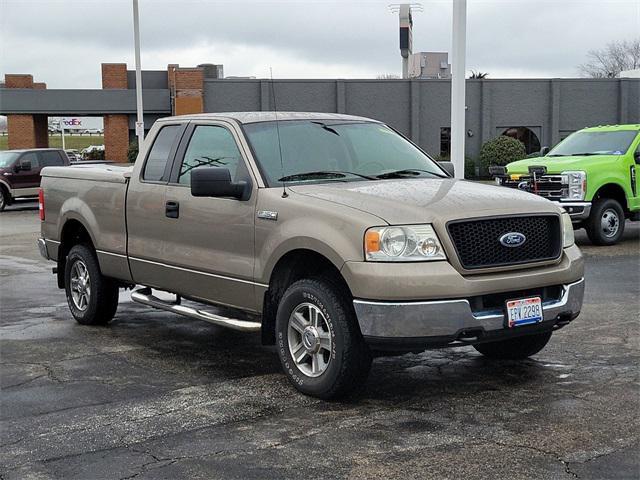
(275, 113)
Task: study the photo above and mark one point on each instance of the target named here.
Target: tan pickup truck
(332, 235)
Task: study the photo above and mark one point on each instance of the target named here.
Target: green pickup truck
(592, 174)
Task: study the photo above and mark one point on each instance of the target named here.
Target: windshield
(595, 143)
(7, 158)
(315, 151)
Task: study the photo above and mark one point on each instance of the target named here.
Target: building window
(526, 136)
(445, 142)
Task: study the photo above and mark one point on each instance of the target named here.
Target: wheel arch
(73, 232)
(614, 191)
(292, 266)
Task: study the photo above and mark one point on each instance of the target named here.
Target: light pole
(61, 125)
(139, 111)
(458, 54)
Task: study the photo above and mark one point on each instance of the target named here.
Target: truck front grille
(477, 242)
(548, 186)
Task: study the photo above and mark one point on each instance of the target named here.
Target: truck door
(209, 242)
(26, 182)
(145, 208)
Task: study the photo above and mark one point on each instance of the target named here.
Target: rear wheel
(92, 298)
(4, 199)
(605, 225)
(319, 343)
(514, 348)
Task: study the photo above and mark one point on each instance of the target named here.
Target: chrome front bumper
(449, 321)
(578, 211)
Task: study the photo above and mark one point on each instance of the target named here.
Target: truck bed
(95, 194)
(115, 172)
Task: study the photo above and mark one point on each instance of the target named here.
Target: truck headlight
(403, 243)
(576, 185)
(568, 237)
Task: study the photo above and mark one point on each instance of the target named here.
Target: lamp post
(458, 54)
(139, 110)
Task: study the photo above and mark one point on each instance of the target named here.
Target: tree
(608, 62)
(387, 76)
(478, 74)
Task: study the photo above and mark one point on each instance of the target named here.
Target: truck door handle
(172, 209)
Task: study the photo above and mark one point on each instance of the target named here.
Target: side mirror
(448, 167)
(216, 182)
(24, 166)
(636, 156)
(544, 151)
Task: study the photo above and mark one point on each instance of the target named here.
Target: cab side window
(211, 146)
(50, 159)
(156, 164)
(32, 158)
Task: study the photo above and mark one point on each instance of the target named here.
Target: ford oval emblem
(513, 239)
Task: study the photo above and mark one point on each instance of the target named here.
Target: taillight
(41, 204)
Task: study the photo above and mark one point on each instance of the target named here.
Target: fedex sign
(71, 123)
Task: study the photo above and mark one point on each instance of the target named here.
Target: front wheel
(517, 348)
(319, 343)
(605, 225)
(92, 298)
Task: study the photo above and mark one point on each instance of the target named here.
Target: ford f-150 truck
(593, 174)
(332, 235)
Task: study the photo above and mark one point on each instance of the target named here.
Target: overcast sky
(63, 42)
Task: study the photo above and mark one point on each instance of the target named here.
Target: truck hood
(407, 201)
(561, 164)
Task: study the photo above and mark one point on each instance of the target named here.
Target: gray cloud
(63, 43)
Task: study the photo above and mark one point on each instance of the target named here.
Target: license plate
(525, 311)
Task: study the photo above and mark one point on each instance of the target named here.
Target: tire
(94, 298)
(333, 359)
(517, 348)
(4, 198)
(605, 225)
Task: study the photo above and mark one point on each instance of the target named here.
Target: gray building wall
(551, 108)
(419, 108)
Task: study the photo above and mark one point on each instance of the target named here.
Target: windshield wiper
(322, 174)
(408, 171)
(326, 127)
(584, 154)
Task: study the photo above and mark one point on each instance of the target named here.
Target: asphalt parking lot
(154, 395)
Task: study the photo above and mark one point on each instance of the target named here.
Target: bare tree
(608, 62)
(478, 74)
(387, 76)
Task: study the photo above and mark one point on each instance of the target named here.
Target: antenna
(275, 112)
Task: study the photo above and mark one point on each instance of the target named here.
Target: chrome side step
(146, 297)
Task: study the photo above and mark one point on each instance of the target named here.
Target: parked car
(592, 174)
(74, 155)
(92, 131)
(331, 235)
(20, 171)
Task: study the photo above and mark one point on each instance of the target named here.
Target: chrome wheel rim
(309, 338)
(610, 223)
(80, 285)
(2, 200)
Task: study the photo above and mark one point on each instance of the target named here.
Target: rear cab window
(51, 158)
(155, 167)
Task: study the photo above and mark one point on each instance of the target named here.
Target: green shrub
(132, 152)
(500, 151)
